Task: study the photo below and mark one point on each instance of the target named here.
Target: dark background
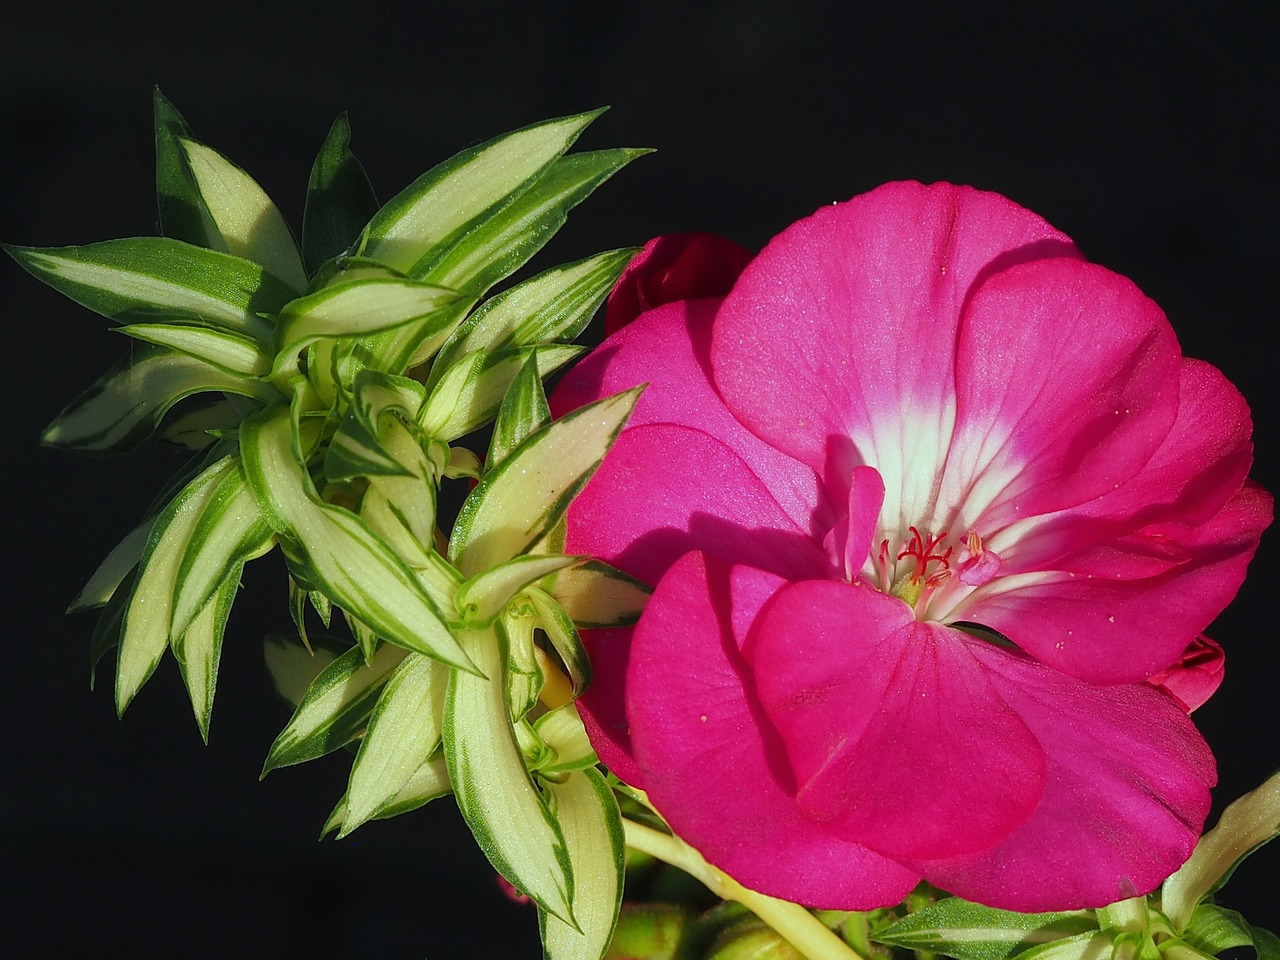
(1144, 132)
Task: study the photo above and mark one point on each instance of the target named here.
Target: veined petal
(1126, 793)
(1061, 406)
(684, 490)
(848, 359)
(712, 763)
(893, 730)
(668, 348)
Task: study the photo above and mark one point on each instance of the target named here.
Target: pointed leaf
(470, 392)
(106, 632)
(232, 352)
(340, 199)
(357, 308)
(403, 733)
(429, 782)
(970, 931)
(145, 632)
(588, 815)
(506, 813)
(183, 215)
(564, 637)
(141, 279)
(524, 409)
(113, 570)
(331, 549)
(199, 648)
(524, 497)
(484, 251)
(229, 532)
(464, 189)
(566, 739)
(244, 215)
(197, 429)
(336, 708)
(126, 405)
(553, 306)
(485, 595)
(1246, 824)
(596, 595)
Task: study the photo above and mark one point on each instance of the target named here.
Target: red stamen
(923, 551)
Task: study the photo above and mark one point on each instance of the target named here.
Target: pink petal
(851, 316)
(1067, 384)
(603, 704)
(1195, 677)
(897, 738)
(710, 760)
(667, 348)
(664, 490)
(674, 266)
(1114, 626)
(1126, 793)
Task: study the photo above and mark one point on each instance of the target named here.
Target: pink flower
(675, 266)
(932, 507)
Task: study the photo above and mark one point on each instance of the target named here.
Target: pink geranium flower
(933, 509)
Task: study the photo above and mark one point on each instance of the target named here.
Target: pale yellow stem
(797, 925)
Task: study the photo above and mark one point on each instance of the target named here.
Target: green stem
(801, 928)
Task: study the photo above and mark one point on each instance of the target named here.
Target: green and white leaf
(145, 630)
(198, 428)
(564, 637)
(340, 199)
(521, 499)
(233, 352)
(429, 782)
(470, 392)
(106, 631)
(331, 549)
(1247, 824)
(487, 594)
(585, 808)
(1214, 929)
(464, 189)
(482, 252)
(126, 405)
(199, 647)
(523, 410)
(596, 595)
(1081, 946)
(404, 731)
(183, 215)
(506, 812)
(229, 532)
(245, 217)
(525, 674)
(553, 306)
(113, 570)
(145, 279)
(380, 404)
(970, 931)
(566, 739)
(336, 708)
(357, 308)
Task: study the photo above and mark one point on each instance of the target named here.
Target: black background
(1144, 132)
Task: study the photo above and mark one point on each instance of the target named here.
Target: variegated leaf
(553, 306)
(429, 782)
(331, 549)
(485, 595)
(465, 188)
(199, 647)
(970, 931)
(145, 631)
(521, 499)
(404, 731)
(245, 217)
(523, 410)
(336, 708)
(506, 812)
(596, 595)
(470, 392)
(145, 279)
(182, 211)
(479, 254)
(295, 663)
(585, 808)
(128, 402)
(234, 352)
(113, 570)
